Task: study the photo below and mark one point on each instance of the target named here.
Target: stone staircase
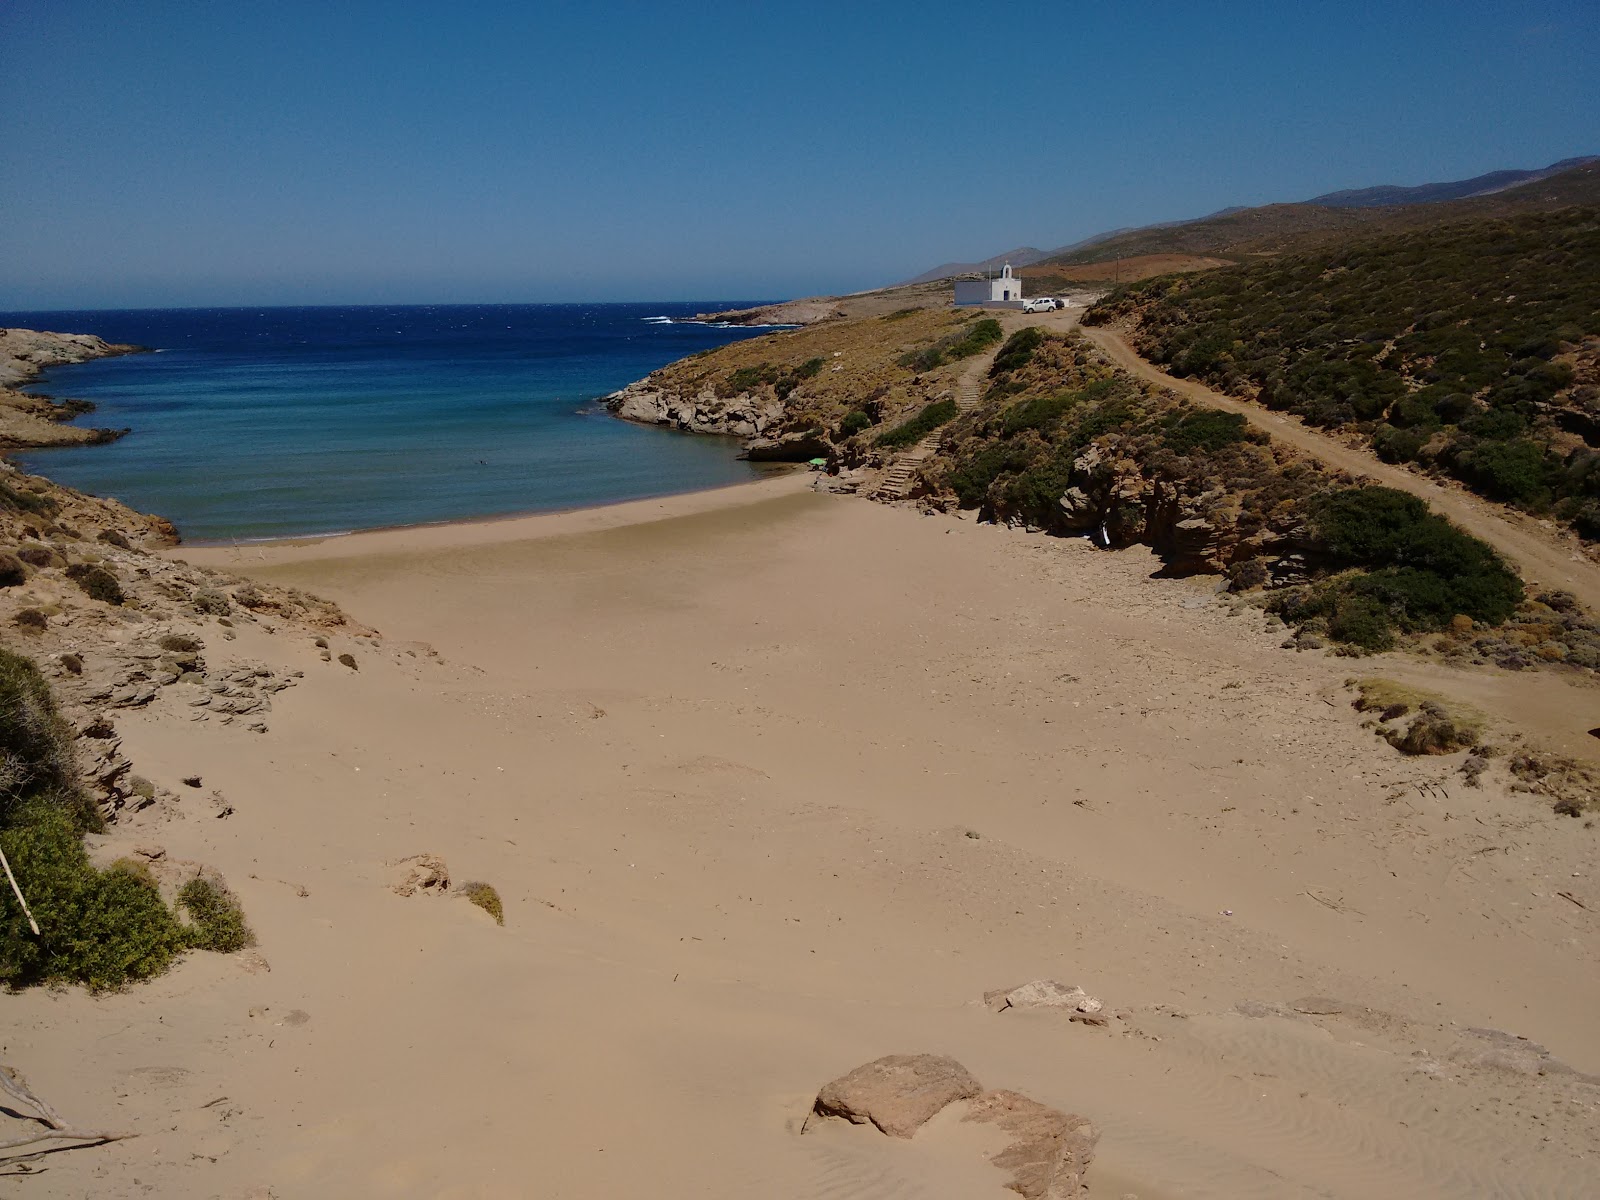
(901, 476)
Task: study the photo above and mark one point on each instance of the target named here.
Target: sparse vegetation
(1417, 722)
(37, 555)
(218, 922)
(349, 660)
(31, 618)
(96, 582)
(181, 643)
(918, 427)
(486, 898)
(973, 338)
(99, 928)
(210, 600)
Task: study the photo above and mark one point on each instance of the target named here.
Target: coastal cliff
(31, 421)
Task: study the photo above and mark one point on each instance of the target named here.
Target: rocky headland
(29, 420)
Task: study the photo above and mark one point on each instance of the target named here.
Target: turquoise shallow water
(256, 423)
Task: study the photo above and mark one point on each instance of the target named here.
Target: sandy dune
(774, 783)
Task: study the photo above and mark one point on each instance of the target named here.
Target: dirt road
(1542, 557)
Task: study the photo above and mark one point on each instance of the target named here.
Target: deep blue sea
(273, 422)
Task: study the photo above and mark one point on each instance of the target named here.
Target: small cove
(277, 422)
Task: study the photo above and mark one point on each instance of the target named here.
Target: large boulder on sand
(898, 1093)
(1049, 1151)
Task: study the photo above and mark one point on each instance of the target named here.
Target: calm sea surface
(272, 422)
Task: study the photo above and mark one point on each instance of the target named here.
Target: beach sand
(773, 783)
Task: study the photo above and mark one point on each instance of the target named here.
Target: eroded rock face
(1196, 532)
(424, 874)
(1044, 993)
(1050, 1152)
(898, 1093)
(747, 415)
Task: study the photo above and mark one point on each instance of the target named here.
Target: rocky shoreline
(31, 421)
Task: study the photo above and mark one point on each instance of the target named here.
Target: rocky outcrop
(115, 627)
(790, 312)
(33, 420)
(1049, 1152)
(1044, 993)
(789, 447)
(26, 352)
(1118, 502)
(649, 402)
(899, 1093)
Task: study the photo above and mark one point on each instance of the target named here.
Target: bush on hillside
(96, 582)
(918, 427)
(854, 422)
(12, 572)
(970, 339)
(1018, 350)
(1420, 567)
(1466, 335)
(102, 929)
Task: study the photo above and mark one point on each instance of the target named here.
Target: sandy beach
(773, 783)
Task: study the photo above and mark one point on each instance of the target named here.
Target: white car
(1043, 304)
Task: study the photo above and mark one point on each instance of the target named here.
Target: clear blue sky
(168, 153)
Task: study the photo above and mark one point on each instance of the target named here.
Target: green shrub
(1040, 412)
(1420, 568)
(36, 751)
(103, 929)
(210, 600)
(963, 343)
(97, 583)
(1018, 350)
(217, 919)
(31, 618)
(919, 426)
(181, 643)
(854, 422)
(810, 369)
(12, 572)
(112, 538)
(1205, 429)
(486, 898)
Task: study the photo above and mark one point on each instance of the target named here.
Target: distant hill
(1242, 232)
(1431, 193)
(1279, 228)
(1023, 256)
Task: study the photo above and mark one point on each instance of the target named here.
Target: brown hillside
(1278, 228)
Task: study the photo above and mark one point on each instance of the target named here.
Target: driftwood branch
(72, 1135)
(55, 1127)
(19, 1090)
(17, 888)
